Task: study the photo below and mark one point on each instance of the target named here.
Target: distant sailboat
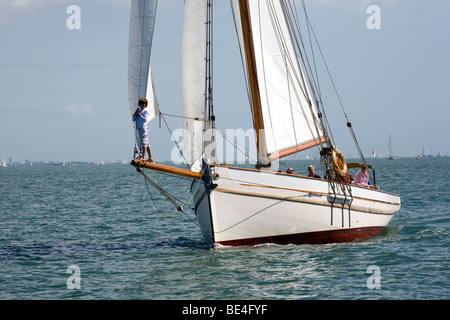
(374, 154)
(390, 156)
(242, 206)
(3, 164)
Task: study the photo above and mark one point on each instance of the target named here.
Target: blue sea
(98, 232)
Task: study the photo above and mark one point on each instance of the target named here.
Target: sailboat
(3, 163)
(389, 155)
(237, 206)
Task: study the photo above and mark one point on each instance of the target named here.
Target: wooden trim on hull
(224, 165)
(320, 237)
(311, 200)
(314, 193)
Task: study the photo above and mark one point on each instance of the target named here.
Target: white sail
(140, 83)
(3, 164)
(193, 79)
(285, 99)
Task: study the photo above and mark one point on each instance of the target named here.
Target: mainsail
(140, 83)
(284, 119)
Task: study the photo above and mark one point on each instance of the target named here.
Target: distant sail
(3, 164)
(140, 83)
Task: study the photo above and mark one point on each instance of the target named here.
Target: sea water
(100, 232)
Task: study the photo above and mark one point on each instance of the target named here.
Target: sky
(63, 91)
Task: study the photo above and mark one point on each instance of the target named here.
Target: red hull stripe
(321, 237)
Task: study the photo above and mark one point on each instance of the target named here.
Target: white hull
(248, 207)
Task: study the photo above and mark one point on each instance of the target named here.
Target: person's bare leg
(150, 158)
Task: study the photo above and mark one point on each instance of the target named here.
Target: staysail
(193, 79)
(140, 83)
(284, 119)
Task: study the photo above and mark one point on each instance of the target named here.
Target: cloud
(85, 109)
(16, 11)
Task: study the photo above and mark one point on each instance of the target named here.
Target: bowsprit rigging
(179, 205)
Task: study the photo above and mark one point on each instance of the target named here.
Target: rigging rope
(293, 65)
(171, 135)
(323, 58)
(172, 199)
(296, 34)
(349, 125)
(162, 191)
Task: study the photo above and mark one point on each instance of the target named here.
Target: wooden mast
(258, 123)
